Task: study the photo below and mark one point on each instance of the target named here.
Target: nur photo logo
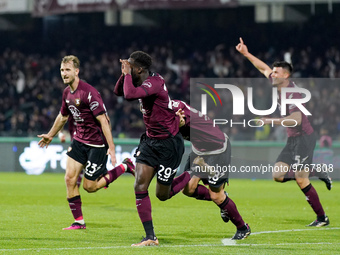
(204, 96)
(240, 101)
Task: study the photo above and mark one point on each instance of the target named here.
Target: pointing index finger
(241, 40)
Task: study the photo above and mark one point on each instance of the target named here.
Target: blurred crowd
(31, 87)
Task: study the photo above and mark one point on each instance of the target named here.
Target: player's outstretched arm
(58, 124)
(259, 64)
(106, 127)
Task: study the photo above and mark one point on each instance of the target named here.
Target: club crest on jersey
(77, 101)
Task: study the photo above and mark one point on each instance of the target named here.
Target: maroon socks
(143, 205)
(179, 183)
(75, 206)
(229, 207)
(313, 199)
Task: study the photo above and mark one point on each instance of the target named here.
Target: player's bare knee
(279, 171)
(302, 182)
(215, 196)
(140, 184)
(162, 194)
(162, 197)
(189, 190)
(277, 179)
(278, 176)
(90, 188)
(299, 181)
(70, 181)
(140, 187)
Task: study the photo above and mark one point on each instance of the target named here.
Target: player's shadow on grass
(186, 236)
(96, 225)
(119, 209)
(41, 239)
(296, 221)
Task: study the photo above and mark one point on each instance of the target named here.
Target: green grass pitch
(33, 211)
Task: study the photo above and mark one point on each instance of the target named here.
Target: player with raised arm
(301, 138)
(161, 148)
(92, 141)
(210, 147)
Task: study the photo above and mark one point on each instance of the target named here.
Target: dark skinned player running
(161, 148)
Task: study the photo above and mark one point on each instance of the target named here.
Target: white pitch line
(160, 246)
(293, 230)
(228, 241)
(113, 247)
(276, 244)
(225, 242)
(110, 247)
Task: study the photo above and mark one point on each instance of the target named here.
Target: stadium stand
(31, 87)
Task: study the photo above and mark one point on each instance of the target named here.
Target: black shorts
(94, 159)
(164, 155)
(220, 161)
(298, 150)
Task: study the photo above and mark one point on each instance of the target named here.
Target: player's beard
(69, 82)
(277, 82)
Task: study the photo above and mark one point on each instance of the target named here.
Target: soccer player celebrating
(62, 137)
(301, 138)
(92, 140)
(161, 148)
(210, 147)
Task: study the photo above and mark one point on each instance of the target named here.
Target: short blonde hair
(73, 59)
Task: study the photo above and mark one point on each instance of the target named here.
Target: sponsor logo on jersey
(147, 83)
(75, 112)
(94, 105)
